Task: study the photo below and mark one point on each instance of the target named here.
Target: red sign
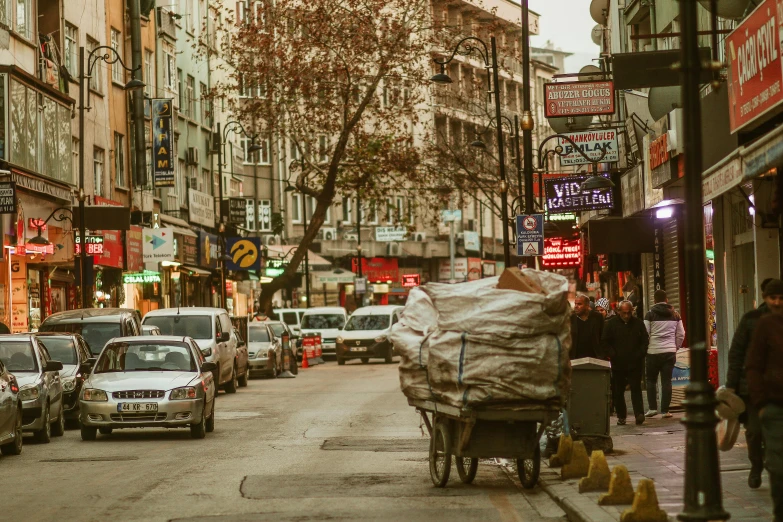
(36, 223)
(562, 253)
(378, 269)
(659, 150)
(93, 249)
(578, 98)
(113, 250)
(410, 280)
(134, 249)
(755, 77)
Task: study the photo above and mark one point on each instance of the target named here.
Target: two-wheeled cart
(470, 434)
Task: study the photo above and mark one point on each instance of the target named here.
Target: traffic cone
(305, 364)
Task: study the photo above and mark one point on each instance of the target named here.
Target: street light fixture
(596, 182)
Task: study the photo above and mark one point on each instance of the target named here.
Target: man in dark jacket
(625, 341)
(586, 327)
(764, 367)
(667, 334)
(737, 381)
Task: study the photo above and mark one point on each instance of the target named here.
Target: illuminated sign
(565, 195)
(411, 280)
(94, 245)
(562, 253)
(162, 143)
(146, 276)
(578, 98)
(37, 223)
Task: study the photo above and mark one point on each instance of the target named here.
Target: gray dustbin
(588, 403)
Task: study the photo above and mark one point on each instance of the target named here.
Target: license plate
(359, 349)
(136, 407)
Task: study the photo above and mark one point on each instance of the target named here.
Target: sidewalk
(656, 450)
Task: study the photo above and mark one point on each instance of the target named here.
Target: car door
(7, 406)
(231, 344)
(241, 351)
(207, 377)
(52, 382)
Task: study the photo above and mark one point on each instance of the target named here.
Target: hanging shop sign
(201, 208)
(378, 269)
(158, 244)
(411, 280)
(245, 253)
(578, 98)
(94, 245)
(237, 210)
(134, 250)
(112, 255)
(562, 253)
(472, 241)
(147, 276)
(632, 185)
(659, 271)
(390, 233)
(7, 197)
(722, 179)
(755, 76)
(188, 249)
(162, 143)
(593, 144)
(207, 250)
(565, 195)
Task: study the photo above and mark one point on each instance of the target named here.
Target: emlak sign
(593, 144)
(755, 74)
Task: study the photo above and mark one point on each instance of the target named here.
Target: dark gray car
(96, 325)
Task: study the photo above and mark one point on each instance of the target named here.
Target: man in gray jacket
(667, 334)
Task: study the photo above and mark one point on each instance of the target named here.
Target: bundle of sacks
(489, 342)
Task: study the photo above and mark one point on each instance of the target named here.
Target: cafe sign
(578, 98)
(147, 276)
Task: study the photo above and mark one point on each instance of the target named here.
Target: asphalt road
(335, 443)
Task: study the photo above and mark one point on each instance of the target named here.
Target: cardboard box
(514, 279)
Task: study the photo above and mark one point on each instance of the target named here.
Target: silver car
(155, 381)
(40, 388)
(264, 351)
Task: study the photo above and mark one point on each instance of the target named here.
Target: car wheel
(58, 430)
(89, 433)
(105, 431)
(199, 431)
(210, 424)
(15, 447)
(233, 384)
(245, 376)
(340, 361)
(365, 360)
(45, 434)
(388, 358)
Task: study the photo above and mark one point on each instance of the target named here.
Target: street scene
(515, 260)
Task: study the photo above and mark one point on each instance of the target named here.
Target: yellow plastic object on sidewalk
(578, 465)
(620, 488)
(645, 505)
(598, 475)
(563, 455)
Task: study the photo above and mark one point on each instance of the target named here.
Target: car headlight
(69, 384)
(29, 392)
(188, 392)
(340, 340)
(94, 395)
(380, 339)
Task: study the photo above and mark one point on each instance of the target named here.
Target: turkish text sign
(578, 98)
(562, 253)
(163, 155)
(530, 235)
(565, 195)
(593, 144)
(158, 244)
(7, 197)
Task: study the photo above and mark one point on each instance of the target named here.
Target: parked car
(265, 352)
(279, 328)
(40, 387)
(150, 329)
(161, 381)
(290, 316)
(366, 334)
(243, 367)
(327, 321)
(72, 351)
(10, 413)
(211, 328)
(96, 325)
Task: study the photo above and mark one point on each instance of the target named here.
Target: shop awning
(283, 252)
(196, 271)
(333, 276)
(763, 155)
(621, 236)
(180, 226)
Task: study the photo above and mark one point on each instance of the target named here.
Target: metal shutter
(671, 262)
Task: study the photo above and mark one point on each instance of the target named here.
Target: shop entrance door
(744, 280)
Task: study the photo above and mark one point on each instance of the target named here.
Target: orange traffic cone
(305, 364)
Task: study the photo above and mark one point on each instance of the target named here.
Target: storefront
(207, 251)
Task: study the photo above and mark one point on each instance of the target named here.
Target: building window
(71, 49)
(96, 77)
(149, 77)
(24, 18)
(347, 208)
(400, 209)
(296, 153)
(190, 96)
(264, 215)
(373, 210)
(170, 71)
(411, 212)
(97, 170)
(117, 74)
(296, 208)
(311, 204)
(180, 90)
(119, 160)
(323, 149)
(181, 194)
(389, 211)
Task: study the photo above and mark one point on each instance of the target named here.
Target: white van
(290, 316)
(211, 329)
(327, 321)
(366, 334)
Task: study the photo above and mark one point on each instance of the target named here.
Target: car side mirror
(223, 337)
(85, 368)
(53, 366)
(208, 367)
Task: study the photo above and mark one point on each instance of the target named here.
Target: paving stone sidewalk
(656, 450)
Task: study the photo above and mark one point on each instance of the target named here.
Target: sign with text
(134, 249)
(237, 210)
(565, 195)
(411, 280)
(163, 155)
(530, 235)
(659, 271)
(562, 253)
(158, 244)
(578, 98)
(201, 208)
(94, 245)
(593, 144)
(755, 76)
(147, 276)
(7, 197)
(390, 233)
(472, 241)
(361, 285)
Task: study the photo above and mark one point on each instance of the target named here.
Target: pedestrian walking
(664, 326)
(764, 368)
(736, 379)
(625, 341)
(603, 307)
(586, 329)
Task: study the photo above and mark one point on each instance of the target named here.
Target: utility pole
(86, 296)
(137, 98)
(527, 116)
(221, 225)
(358, 245)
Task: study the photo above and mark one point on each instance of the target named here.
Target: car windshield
(368, 322)
(96, 335)
(258, 334)
(195, 326)
(17, 356)
(145, 357)
(278, 329)
(326, 321)
(61, 349)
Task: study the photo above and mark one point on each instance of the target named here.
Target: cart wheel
(440, 455)
(529, 469)
(466, 468)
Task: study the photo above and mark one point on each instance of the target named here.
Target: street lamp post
(86, 63)
(465, 47)
(358, 245)
(702, 496)
(527, 116)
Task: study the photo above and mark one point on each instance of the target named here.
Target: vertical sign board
(659, 273)
(163, 156)
(755, 75)
(578, 98)
(8, 197)
(530, 235)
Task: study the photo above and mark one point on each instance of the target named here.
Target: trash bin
(588, 403)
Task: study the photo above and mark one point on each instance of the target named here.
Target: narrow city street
(336, 443)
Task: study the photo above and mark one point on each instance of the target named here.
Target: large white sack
(410, 345)
(419, 312)
(414, 383)
(478, 307)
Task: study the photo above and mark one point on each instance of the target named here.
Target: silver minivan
(211, 329)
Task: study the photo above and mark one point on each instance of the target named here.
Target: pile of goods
(501, 341)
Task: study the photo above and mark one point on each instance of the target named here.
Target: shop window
(71, 49)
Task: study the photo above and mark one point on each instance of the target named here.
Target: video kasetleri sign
(565, 195)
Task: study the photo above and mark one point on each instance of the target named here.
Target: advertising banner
(7, 197)
(390, 233)
(593, 144)
(201, 208)
(134, 250)
(113, 250)
(158, 244)
(163, 155)
(245, 253)
(562, 253)
(207, 250)
(565, 195)
(578, 98)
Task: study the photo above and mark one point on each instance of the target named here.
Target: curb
(578, 507)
